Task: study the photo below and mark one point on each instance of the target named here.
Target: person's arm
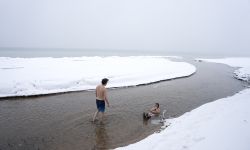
(105, 97)
(96, 92)
(152, 109)
(155, 110)
(158, 111)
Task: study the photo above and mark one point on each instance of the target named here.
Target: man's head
(157, 105)
(105, 81)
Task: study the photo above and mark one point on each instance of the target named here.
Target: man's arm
(105, 96)
(152, 109)
(158, 111)
(97, 90)
(155, 110)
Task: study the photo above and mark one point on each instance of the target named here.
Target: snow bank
(243, 73)
(221, 125)
(32, 76)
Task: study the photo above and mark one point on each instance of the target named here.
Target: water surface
(63, 121)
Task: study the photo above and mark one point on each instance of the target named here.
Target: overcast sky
(176, 25)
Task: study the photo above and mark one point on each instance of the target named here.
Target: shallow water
(63, 121)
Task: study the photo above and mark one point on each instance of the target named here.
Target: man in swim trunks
(101, 98)
(153, 111)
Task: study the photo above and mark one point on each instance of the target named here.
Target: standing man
(101, 98)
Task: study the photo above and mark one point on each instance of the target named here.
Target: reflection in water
(145, 122)
(101, 137)
(154, 120)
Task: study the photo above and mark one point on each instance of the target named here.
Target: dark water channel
(63, 121)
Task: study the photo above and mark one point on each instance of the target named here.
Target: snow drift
(33, 76)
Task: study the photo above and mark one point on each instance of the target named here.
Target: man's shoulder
(98, 86)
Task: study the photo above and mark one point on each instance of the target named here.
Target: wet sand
(63, 121)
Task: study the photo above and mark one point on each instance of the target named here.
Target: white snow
(220, 125)
(32, 76)
(244, 63)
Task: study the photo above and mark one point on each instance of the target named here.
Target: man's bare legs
(96, 114)
(102, 114)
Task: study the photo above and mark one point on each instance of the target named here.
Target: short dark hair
(157, 104)
(105, 81)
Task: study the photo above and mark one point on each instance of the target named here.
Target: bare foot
(93, 121)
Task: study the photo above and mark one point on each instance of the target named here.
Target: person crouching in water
(153, 111)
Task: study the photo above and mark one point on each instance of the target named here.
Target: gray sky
(176, 25)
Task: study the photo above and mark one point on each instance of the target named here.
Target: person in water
(101, 98)
(155, 110)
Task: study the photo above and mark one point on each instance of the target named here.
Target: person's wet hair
(105, 81)
(157, 105)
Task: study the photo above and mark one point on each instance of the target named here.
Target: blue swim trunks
(100, 104)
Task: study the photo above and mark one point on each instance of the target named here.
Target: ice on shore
(243, 73)
(220, 125)
(33, 76)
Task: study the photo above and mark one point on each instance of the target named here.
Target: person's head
(105, 81)
(157, 105)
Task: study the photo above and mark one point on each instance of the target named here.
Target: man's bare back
(101, 98)
(101, 92)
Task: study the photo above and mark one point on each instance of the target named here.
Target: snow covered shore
(244, 63)
(33, 76)
(220, 125)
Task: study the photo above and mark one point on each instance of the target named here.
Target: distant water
(42, 52)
